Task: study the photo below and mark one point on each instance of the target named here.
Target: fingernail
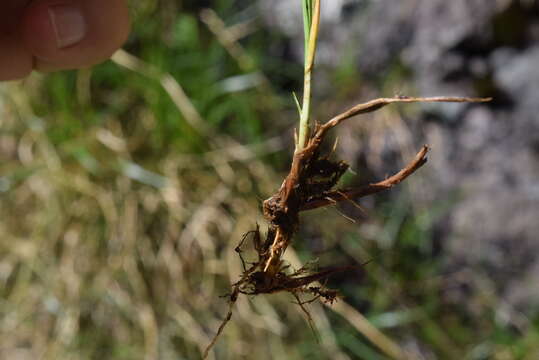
(68, 23)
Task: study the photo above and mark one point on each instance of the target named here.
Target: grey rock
(489, 154)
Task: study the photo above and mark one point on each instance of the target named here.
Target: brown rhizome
(311, 183)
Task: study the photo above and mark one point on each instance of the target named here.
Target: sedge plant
(311, 183)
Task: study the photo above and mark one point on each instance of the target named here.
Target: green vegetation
(121, 208)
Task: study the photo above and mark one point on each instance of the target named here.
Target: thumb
(66, 34)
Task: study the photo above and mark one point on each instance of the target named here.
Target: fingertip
(74, 33)
(37, 31)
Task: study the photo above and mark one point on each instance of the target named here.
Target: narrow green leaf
(307, 21)
(297, 102)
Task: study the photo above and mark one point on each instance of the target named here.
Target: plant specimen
(310, 184)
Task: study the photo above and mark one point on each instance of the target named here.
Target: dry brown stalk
(310, 184)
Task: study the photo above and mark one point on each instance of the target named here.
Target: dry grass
(126, 264)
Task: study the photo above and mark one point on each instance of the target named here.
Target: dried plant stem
(379, 103)
(227, 39)
(375, 336)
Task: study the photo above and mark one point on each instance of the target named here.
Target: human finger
(67, 34)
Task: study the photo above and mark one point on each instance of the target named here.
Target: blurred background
(125, 188)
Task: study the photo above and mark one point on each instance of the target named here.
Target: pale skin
(52, 35)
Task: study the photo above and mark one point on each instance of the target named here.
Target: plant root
(310, 184)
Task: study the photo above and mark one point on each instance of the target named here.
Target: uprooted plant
(310, 184)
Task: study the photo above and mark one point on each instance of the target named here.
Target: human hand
(50, 35)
